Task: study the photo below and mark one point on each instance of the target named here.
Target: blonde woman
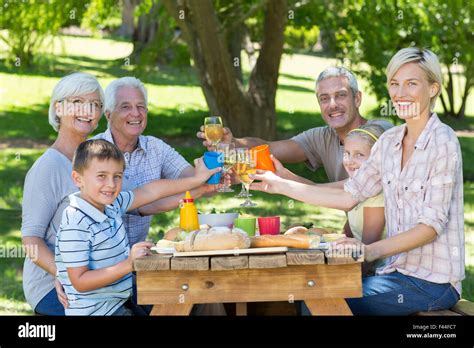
(418, 168)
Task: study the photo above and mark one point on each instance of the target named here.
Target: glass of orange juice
(213, 130)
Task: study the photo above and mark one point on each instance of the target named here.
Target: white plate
(163, 250)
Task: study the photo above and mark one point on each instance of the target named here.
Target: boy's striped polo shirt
(88, 237)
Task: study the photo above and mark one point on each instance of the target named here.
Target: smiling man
(339, 98)
(147, 158)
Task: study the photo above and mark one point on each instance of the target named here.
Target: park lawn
(177, 107)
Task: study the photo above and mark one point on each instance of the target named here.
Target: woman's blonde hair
(427, 60)
(370, 133)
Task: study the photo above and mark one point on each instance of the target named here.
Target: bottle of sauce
(188, 214)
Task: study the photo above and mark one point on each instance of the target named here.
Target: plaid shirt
(429, 190)
(152, 159)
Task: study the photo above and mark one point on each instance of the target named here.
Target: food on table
(296, 230)
(226, 219)
(163, 243)
(188, 216)
(332, 237)
(216, 238)
(173, 234)
(320, 231)
(299, 241)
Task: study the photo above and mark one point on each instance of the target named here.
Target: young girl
(418, 167)
(366, 221)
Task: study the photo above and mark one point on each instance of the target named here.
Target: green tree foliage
(31, 23)
(372, 31)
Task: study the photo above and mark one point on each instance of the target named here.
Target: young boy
(93, 256)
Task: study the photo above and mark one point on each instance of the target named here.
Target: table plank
(241, 309)
(224, 263)
(290, 283)
(339, 257)
(152, 263)
(172, 309)
(190, 263)
(328, 306)
(313, 257)
(267, 261)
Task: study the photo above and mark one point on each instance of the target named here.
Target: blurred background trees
(218, 38)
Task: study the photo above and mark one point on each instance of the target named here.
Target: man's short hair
(114, 86)
(95, 148)
(339, 71)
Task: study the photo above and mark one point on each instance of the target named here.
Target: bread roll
(299, 241)
(296, 230)
(173, 233)
(214, 239)
(319, 231)
(163, 243)
(331, 237)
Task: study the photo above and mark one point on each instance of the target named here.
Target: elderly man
(339, 98)
(148, 158)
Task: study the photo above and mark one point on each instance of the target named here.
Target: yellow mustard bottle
(188, 215)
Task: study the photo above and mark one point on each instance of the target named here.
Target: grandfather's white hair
(338, 71)
(426, 60)
(73, 85)
(114, 86)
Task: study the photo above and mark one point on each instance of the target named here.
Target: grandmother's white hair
(73, 85)
(426, 60)
(339, 71)
(114, 86)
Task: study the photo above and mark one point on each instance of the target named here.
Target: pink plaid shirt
(429, 190)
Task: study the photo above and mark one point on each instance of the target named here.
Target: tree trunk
(127, 27)
(247, 113)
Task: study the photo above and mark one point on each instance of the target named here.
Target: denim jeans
(50, 305)
(399, 294)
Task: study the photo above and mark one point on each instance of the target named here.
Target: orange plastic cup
(262, 153)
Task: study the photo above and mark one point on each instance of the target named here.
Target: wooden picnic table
(320, 279)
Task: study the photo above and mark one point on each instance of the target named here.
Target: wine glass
(245, 167)
(213, 130)
(240, 152)
(228, 151)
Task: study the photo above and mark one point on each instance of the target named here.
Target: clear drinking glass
(228, 150)
(213, 130)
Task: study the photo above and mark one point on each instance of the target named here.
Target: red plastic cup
(269, 225)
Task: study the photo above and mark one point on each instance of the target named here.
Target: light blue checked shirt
(88, 237)
(152, 159)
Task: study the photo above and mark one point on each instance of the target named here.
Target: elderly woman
(74, 112)
(418, 168)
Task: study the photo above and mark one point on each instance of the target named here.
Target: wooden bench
(462, 308)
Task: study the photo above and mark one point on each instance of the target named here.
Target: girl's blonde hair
(426, 60)
(370, 133)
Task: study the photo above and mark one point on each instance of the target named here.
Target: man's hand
(201, 172)
(139, 250)
(61, 294)
(226, 138)
(269, 182)
(280, 170)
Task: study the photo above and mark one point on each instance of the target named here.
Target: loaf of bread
(296, 230)
(299, 241)
(217, 238)
(173, 234)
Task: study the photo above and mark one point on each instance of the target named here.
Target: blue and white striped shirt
(88, 237)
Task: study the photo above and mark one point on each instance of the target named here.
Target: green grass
(177, 107)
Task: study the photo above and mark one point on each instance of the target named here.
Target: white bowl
(215, 220)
